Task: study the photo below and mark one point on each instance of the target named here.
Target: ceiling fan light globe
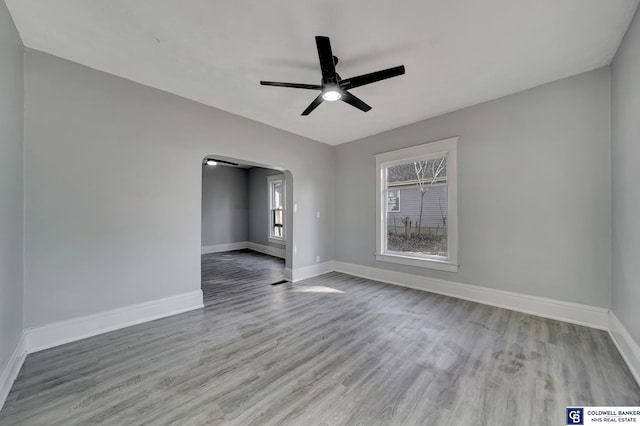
(331, 95)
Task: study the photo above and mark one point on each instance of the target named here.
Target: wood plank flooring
(332, 350)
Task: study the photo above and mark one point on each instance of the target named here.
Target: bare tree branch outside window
(427, 174)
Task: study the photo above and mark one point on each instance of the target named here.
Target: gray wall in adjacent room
(259, 205)
(11, 186)
(533, 191)
(225, 205)
(114, 186)
(625, 152)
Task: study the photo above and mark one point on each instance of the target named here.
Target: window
(393, 200)
(425, 232)
(276, 186)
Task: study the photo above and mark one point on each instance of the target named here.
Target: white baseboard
(224, 247)
(12, 368)
(271, 251)
(59, 333)
(310, 271)
(626, 345)
(590, 316)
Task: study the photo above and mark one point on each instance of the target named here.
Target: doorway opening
(246, 224)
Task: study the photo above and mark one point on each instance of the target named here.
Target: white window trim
(402, 156)
(270, 180)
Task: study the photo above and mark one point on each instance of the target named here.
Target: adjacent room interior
(320, 213)
(244, 230)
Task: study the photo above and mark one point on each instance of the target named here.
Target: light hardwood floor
(332, 350)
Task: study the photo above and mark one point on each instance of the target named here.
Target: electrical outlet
(317, 258)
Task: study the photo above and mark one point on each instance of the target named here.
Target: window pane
(421, 226)
(277, 195)
(277, 217)
(278, 223)
(393, 200)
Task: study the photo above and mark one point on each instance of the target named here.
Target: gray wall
(259, 205)
(113, 188)
(11, 186)
(533, 191)
(225, 205)
(625, 153)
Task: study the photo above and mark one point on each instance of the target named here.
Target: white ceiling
(457, 53)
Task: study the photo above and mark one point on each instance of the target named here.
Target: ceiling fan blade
(354, 101)
(325, 55)
(361, 80)
(292, 85)
(313, 105)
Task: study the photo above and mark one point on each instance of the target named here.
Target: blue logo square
(575, 416)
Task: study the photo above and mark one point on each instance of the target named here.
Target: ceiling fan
(332, 87)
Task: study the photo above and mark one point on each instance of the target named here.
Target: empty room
(243, 225)
(319, 213)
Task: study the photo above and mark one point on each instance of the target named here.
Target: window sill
(441, 265)
(277, 241)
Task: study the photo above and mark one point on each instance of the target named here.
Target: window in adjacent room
(425, 232)
(393, 200)
(276, 185)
